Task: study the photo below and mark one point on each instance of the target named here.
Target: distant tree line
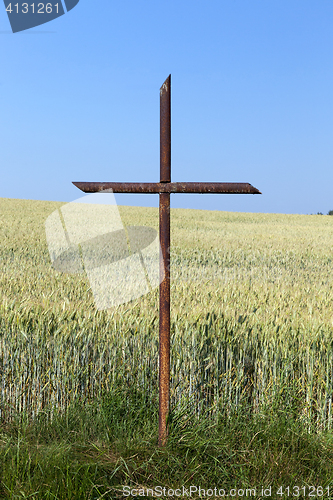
(330, 212)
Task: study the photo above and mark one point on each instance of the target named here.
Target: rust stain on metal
(164, 188)
(164, 210)
(164, 329)
(168, 187)
(165, 131)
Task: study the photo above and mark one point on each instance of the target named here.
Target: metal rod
(164, 333)
(164, 216)
(165, 131)
(168, 187)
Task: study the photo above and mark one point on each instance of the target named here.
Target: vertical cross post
(164, 216)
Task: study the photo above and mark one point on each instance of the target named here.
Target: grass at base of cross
(92, 451)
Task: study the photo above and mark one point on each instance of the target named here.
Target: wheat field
(251, 314)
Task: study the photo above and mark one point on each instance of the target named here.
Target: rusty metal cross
(164, 188)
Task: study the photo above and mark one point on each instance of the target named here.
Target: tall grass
(251, 315)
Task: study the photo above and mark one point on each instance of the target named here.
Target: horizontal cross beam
(168, 187)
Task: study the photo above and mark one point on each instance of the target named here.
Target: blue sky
(252, 101)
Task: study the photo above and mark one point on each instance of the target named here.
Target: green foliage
(95, 449)
(251, 370)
